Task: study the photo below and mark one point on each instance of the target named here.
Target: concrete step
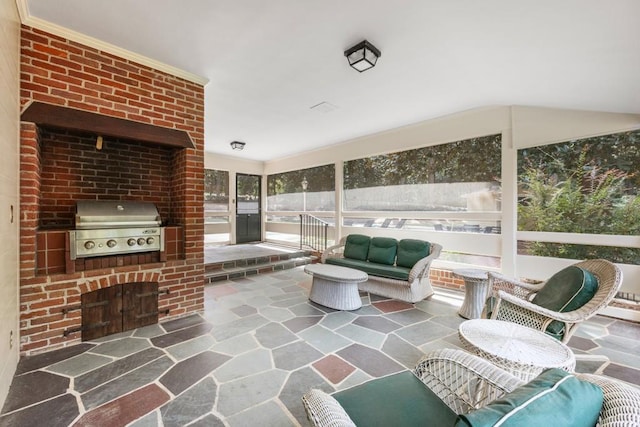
(234, 269)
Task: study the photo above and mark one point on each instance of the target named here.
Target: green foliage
(247, 187)
(471, 160)
(566, 188)
(321, 178)
(216, 186)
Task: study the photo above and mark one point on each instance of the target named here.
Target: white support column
(232, 207)
(263, 208)
(509, 204)
(339, 173)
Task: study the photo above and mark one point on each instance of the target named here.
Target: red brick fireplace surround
(59, 166)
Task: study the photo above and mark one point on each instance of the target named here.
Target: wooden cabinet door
(119, 308)
(101, 312)
(139, 305)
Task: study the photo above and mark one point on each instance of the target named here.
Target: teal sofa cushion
(357, 246)
(411, 251)
(396, 400)
(554, 398)
(381, 270)
(382, 250)
(567, 290)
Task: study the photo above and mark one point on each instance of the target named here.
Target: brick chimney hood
(69, 118)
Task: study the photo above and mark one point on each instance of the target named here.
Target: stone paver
(292, 356)
(189, 348)
(274, 335)
(259, 345)
(186, 373)
(250, 363)
(80, 364)
(126, 383)
(191, 405)
(244, 393)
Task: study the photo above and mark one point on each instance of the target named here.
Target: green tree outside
(585, 186)
(470, 160)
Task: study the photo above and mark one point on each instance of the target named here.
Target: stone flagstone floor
(247, 360)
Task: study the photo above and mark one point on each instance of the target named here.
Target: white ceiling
(268, 62)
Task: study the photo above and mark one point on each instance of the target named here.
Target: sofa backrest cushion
(411, 251)
(357, 246)
(382, 250)
(567, 290)
(553, 398)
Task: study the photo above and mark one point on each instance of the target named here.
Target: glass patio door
(248, 214)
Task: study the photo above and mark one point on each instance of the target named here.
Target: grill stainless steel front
(115, 227)
(93, 214)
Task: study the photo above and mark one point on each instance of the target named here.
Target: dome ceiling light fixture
(362, 56)
(237, 145)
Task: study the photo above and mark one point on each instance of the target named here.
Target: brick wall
(58, 71)
(445, 279)
(73, 169)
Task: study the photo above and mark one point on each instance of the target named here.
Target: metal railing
(313, 232)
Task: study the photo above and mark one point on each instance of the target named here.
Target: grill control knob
(90, 244)
(131, 242)
(141, 241)
(111, 243)
(150, 240)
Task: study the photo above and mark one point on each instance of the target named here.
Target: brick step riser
(252, 270)
(257, 262)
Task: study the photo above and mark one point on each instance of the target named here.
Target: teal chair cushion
(357, 246)
(567, 290)
(554, 398)
(382, 250)
(411, 251)
(396, 400)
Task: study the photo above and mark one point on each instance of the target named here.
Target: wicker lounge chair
(514, 298)
(463, 382)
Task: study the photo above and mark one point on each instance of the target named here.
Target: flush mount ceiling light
(237, 145)
(362, 56)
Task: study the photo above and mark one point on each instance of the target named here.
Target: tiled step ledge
(254, 261)
(249, 269)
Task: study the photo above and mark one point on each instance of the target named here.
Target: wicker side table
(335, 287)
(476, 291)
(525, 352)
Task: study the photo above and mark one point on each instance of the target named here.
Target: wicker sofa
(447, 386)
(396, 269)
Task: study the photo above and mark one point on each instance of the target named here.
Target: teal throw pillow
(357, 247)
(395, 400)
(555, 398)
(411, 251)
(382, 250)
(567, 290)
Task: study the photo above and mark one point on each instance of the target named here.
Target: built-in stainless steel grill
(115, 227)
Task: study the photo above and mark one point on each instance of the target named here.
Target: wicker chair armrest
(621, 405)
(568, 317)
(462, 380)
(334, 251)
(517, 287)
(325, 411)
(423, 265)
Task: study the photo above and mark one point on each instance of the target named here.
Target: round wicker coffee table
(522, 351)
(335, 287)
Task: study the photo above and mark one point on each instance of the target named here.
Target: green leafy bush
(582, 198)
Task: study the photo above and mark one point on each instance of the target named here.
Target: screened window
(216, 191)
(457, 176)
(587, 186)
(305, 190)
